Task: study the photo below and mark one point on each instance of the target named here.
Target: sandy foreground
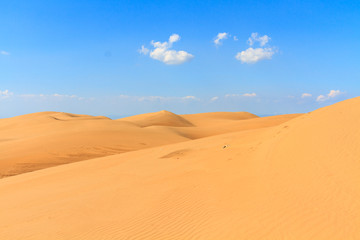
(166, 176)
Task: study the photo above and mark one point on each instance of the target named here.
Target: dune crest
(162, 118)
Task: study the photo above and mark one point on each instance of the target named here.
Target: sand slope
(208, 118)
(162, 118)
(297, 180)
(40, 140)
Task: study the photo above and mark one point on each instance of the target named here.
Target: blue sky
(83, 56)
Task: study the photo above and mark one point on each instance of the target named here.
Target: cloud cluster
(262, 40)
(219, 37)
(253, 55)
(330, 95)
(162, 52)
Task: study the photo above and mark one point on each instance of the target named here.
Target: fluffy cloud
(253, 55)
(174, 38)
(305, 95)
(163, 53)
(4, 53)
(219, 37)
(256, 38)
(5, 94)
(331, 94)
(321, 98)
(334, 93)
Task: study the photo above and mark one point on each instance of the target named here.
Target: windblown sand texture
(165, 176)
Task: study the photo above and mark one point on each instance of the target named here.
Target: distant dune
(162, 118)
(40, 140)
(290, 177)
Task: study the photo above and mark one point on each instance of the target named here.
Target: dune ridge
(162, 118)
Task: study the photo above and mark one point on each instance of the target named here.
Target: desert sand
(166, 176)
(40, 140)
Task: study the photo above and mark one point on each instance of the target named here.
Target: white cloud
(214, 98)
(150, 98)
(235, 38)
(240, 95)
(159, 98)
(122, 96)
(331, 94)
(252, 55)
(219, 37)
(321, 98)
(232, 95)
(190, 98)
(143, 50)
(162, 52)
(334, 93)
(249, 94)
(170, 56)
(305, 95)
(174, 38)
(63, 96)
(4, 52)
(5, 94)
(255, 38)
(52, 96)
(30, 95)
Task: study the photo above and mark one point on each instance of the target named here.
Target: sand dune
(210, 127)
(162, 118)
(40, 140)
(209, 118)
(295, 180)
